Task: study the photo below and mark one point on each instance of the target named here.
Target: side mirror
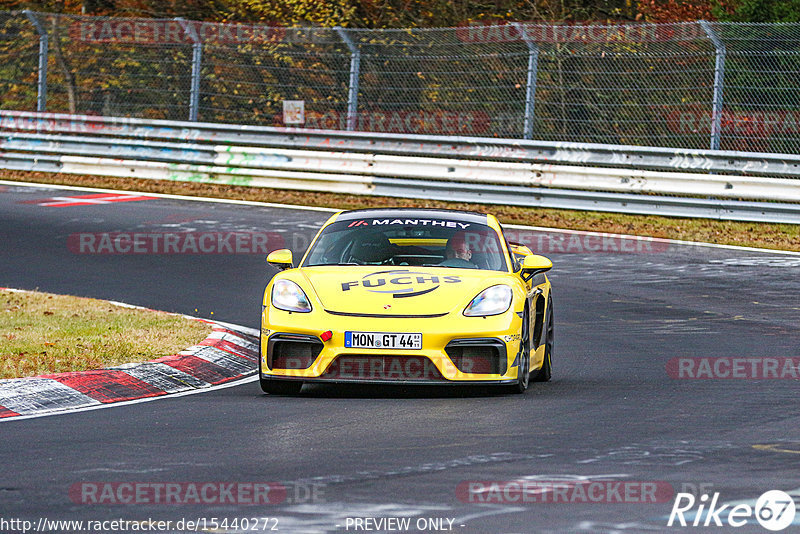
(533, 265)
(523, 250)
(282, 258)
(518, 252)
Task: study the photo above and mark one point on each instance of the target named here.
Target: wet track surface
(613, 412)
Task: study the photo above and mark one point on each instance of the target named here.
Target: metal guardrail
(621, 156)
(512, 172)
(693, 85)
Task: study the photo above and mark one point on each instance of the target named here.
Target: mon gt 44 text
(407, 296)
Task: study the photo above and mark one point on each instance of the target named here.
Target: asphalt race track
(616, 418)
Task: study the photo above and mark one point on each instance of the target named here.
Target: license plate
(383, 340)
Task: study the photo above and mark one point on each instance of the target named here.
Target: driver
(457, 253)
(457, 247)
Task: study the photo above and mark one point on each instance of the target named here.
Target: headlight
(287, 296)
(492, 301)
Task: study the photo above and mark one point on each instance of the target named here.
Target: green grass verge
(41, 333)
(762, 235)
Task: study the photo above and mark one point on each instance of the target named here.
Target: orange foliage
(676, 10)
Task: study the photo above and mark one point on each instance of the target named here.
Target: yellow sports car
(407, 296)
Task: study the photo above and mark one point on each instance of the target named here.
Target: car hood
(403, 291)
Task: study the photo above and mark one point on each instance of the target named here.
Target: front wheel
(544, 374)
(524, 358)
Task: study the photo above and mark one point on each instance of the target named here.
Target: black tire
(280, 387)
(545, 373)
(524, 357)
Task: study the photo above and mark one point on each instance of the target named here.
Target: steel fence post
(41, 98)
(197, 59)
(530, 87)
(719, 82)
(355, 67)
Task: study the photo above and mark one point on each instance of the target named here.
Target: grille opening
(481, 358)
(377, 367)
(293, 353)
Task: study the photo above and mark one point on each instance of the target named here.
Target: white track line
(333, 210)
(231, 384)
(165, 195)
(651, 239)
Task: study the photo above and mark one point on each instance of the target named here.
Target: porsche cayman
(408, 296)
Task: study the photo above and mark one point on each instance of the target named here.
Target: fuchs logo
(401, 284)
(409, 222)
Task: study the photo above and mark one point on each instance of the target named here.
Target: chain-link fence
(693, 85)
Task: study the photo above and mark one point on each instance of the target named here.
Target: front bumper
(455, 349)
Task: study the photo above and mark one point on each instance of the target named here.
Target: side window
(516, 259)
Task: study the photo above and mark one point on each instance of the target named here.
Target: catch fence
(699, 85)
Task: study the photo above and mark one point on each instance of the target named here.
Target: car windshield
(417, 242)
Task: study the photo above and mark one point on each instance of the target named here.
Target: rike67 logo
(774, 510)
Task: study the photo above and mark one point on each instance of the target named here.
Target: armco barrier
(627, 179)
